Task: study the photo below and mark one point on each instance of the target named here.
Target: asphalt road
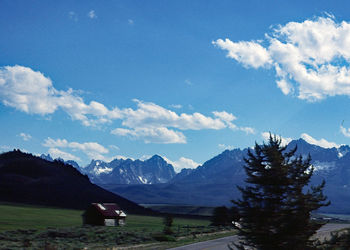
(218, 244)
(221, 243)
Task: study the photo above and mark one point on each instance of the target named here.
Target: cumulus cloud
(161, 135)
(114, 147)
(224, 146)
(72, 15)
(308, 138)
(227, 118)
(31, 92)
(93, 150)
(153, 123)
(247, 130)
(310, 58)
(5, 148)
(322, 142)
(284, 140)
(149, 114)
(176, 106)
(188, 82)
(181, 163)
(250, 54)
(92, 15)
(345, 131)
(56, 153)
(25, 137)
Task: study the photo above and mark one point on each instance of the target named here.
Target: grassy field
(181, 209)
(39, 227)
(14, 217)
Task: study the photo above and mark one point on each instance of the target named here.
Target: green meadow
(41, 227)
(14, 217)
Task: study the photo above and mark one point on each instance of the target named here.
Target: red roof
(109, 209)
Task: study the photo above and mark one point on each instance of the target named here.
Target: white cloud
(56, 153)
(31, 92)
(310, 58)
(223, 146)
(181, 163)
(25, 137)
(5, 148)
(49, 142)
(161, 135)
(247, 130)
(153, 123)
(93, 150)
(130, 21)
(345, 131)
(308, 138)
(224, 116)
(322, 142)
(145, 157)
(284, 140)
(123, 157)
(176, 106)
(26, 90)
(285, 86)
(227, 118)
(188, 82)
(114, 147)
(92, 15)
(153, 115)
(250, 54)
(72, 15)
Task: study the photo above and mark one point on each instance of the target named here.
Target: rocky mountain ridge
(214, 182)
(126, 171)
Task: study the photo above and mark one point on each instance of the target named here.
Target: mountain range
(154, 181)
(25, 178)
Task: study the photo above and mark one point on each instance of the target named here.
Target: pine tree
(221, 216)
(276, 204)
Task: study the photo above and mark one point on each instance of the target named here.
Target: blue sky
(182, 79)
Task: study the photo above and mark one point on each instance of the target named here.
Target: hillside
(25, 178)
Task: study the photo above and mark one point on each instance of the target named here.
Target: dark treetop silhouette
(276, 203)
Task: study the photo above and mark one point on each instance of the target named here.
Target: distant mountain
(46, 157)
(214, 183)
(222, 168)
(69, 162)
(73, 164)
(25, 178)
(184, 172)
(119, 171)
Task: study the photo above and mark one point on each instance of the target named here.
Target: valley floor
(51, 228)
(30, 227)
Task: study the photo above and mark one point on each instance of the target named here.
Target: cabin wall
(110, 222)
(93, 217)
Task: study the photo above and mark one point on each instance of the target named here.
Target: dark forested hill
(25, 178)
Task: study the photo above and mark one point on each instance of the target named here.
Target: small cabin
(104, 214)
